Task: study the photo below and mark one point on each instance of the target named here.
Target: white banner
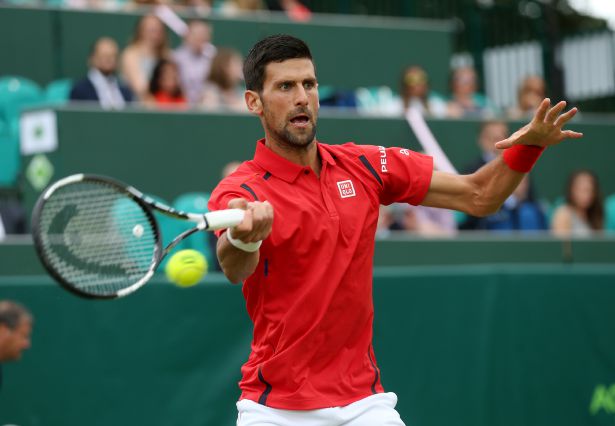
(38, 132)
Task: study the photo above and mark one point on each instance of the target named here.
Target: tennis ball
(186, 268)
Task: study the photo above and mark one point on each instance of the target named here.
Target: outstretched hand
(545, 129)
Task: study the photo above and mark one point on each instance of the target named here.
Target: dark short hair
(275, 48)
(11, 314)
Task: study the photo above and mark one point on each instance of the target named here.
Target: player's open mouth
(301, 120)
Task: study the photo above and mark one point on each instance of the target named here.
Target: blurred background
(503, 320)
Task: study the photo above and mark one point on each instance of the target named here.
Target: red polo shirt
(310, 297)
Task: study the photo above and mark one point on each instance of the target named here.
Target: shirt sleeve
(403, 175)
(220, 198)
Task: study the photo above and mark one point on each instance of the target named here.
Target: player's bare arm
(483, 192)
(238, 264)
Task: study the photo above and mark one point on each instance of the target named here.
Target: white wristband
(248, 247)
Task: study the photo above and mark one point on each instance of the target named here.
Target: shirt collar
(280, 166)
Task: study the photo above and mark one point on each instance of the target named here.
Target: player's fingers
(565, 118)
(571, 134)
(541, 112)
(555, 111)
(244, 228)
(238, 203)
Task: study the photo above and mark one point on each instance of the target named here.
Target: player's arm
(483, 192)
(237, 263)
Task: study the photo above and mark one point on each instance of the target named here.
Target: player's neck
(303, 156)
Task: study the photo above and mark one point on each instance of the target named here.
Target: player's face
(17, 340)
(289, 101)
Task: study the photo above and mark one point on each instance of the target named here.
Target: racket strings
(96, 238)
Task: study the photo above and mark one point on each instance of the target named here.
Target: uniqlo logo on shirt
(346, 188)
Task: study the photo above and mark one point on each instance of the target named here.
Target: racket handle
(222, 219)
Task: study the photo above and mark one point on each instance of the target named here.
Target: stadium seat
(58, 91)
(9, 156)
(16, 93)
(609, 213)
(195, 202)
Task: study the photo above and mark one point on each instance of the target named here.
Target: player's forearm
(494, 182)
(236, 264)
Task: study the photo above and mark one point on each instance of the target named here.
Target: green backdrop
(471, 346)
(348, 51)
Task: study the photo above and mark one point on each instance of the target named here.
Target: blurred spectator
(520, 212)
(224, 85)
(415, 93)
(295, 9)
(194, 59)
(12, 217)
(426, 221)
(101, 84)
(164, 87)
(237, 7)
(583, 212)
(149, 45)
(529, 96)
(465, 100)
(230, 168)
(491, 131)
(15, 329)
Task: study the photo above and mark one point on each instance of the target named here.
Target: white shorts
(375, 410)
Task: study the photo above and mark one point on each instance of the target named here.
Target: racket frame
(148, 205)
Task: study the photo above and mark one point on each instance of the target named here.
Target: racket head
(96, 236)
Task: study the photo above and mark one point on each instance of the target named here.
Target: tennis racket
(98, 237)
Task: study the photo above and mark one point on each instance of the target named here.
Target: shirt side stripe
(250, 190)
(262, 400)
(371, 169)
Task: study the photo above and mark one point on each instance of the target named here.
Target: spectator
(520, 212)
(531, 92)
(194, 59)
(583, 212)
(415, 93)
(101, 84)
(491, 131)
(238, 7)
(224, 86)
(164, 87)
(12, 217)
(426, 221)
(465, 100)
(148, 46)
(15, 330)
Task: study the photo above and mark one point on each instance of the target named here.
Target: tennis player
(308, 274)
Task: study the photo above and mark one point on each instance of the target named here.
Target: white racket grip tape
(222, 219)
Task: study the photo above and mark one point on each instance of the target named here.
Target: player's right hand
(257, 222)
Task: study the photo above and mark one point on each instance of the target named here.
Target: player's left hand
(545, 129)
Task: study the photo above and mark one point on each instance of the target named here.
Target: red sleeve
(220, 198)
(404, 175)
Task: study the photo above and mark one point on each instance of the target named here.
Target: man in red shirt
(308, 274)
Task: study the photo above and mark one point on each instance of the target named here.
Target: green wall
(167, 153)
(471, 346)
(348, 51)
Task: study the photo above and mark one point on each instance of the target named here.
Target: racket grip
(222, 219)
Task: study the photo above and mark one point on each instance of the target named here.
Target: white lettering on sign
(383, 159)
(346, 188)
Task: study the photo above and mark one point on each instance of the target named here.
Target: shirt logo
(346, 188)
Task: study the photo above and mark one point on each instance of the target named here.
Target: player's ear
(254, 103)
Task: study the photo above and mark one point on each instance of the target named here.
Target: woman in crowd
(583, 212)
(148, 46)
(415, 93)
(224, 85)
(164, 87)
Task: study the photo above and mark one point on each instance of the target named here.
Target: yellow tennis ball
(186, 268)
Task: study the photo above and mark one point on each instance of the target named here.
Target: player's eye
(309, 85)
(285, 86)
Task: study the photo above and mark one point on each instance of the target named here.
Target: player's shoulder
(349, 150)
(243, 182)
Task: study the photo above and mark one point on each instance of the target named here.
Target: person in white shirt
(194, 58)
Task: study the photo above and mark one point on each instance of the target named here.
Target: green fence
(348, 51)
(167, 153)
(470, 346)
